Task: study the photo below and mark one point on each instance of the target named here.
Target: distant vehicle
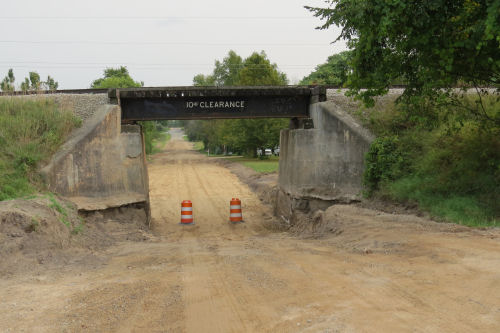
(268, 152)
(277, 151)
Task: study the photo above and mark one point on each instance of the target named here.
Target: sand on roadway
(375, 272)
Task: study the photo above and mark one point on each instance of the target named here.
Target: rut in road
(218, 277)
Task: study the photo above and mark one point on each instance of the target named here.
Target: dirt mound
(361, 227)
(109, 226)
(48, 231)
(350, 224)
(45, 220)
(368, 231)
(33, 229)
(313, 225)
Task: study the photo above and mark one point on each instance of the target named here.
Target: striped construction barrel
(187, 212)
(235, 213)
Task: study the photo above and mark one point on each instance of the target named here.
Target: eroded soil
(349, 270)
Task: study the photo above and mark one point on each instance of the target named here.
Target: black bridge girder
(172, 103)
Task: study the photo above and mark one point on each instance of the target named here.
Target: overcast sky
(162, 42)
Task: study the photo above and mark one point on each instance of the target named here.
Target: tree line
(31, 83)
(243, 136)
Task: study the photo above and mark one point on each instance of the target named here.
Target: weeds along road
(378, 273)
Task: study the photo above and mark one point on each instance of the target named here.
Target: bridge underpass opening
(180, 162)
(179, 173)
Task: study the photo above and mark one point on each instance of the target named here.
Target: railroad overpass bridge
(103, 165)
(216, 102)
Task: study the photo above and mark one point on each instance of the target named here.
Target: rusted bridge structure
(172, 103)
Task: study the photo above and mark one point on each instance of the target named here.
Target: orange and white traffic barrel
(187, 212)
(235, 213)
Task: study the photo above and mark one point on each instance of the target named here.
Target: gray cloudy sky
(162, 42)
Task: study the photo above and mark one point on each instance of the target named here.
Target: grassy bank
(266, 165)
(30, 132)
(198, 145)
(444, 159)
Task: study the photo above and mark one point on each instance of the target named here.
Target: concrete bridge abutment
(322, 163)
(102, 165)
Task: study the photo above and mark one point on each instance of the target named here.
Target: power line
(161, 43)
(94, 67)
(196, 68)
(156, 18)
(134, 64)
(71, 65)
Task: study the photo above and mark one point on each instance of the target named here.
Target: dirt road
(373, 272)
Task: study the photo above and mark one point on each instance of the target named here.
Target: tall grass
(30, 132)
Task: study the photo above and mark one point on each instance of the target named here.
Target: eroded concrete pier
(323, 164)
(102, 165)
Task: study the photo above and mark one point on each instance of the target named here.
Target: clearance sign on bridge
(216, 102)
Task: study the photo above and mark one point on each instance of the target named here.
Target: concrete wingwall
(102, 165)
(322, 165)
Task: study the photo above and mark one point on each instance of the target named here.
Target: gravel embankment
(83, 105)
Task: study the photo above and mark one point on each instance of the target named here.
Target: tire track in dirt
(208, 303)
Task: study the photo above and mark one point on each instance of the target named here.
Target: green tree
(243, 135)
(333, 72)
(8, 82)
(120, 78)
(32, 83)
(204, 80)
(50, 84)
(257, 70)
(227, 71)
(25, 85)
(430, 45)
(116, 78)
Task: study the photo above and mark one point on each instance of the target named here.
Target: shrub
(441, 157)
(384, 161)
